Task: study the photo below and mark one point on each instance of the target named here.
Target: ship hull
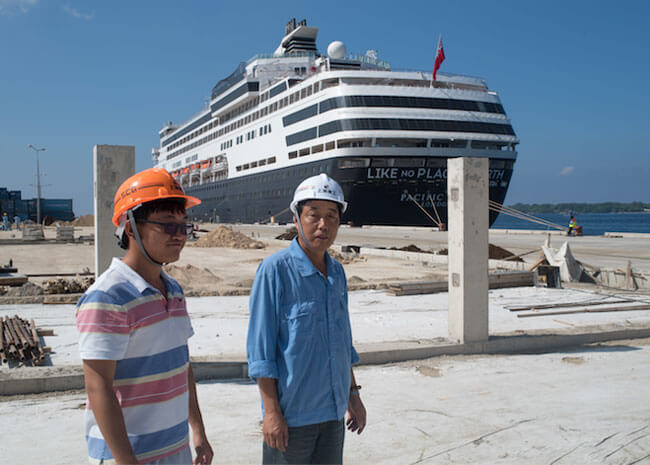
(379, 192)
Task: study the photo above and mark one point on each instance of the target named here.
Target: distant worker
(133, 331)
(17, 222)
(299, 345)
(5, 222)
(573, 223)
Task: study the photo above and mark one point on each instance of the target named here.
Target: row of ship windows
(271, 108)
(391, 102)
(403, 162)
(316, 87)
(399, 143)
(277, 175)
(266, 129)
(395, 124)
(255, 164)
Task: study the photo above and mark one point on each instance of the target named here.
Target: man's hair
(143, 211)
(302, 203)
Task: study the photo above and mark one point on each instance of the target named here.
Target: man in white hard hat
(299, 343)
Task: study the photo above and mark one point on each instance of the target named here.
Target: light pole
(38, 183)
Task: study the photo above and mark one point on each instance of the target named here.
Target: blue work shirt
(299, 333)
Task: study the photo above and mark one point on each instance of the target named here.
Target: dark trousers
(318, 443)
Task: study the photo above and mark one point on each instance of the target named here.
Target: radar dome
(336, 50)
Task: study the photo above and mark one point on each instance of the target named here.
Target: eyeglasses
(173, 228)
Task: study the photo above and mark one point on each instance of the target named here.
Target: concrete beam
(468, 219)
(48, 379)
(112, 165)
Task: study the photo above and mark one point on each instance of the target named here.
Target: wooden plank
(568, 304)
(495, 280)
(630, 308)
(537, 263)
(44, 332)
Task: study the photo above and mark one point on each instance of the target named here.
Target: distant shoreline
(578, 208)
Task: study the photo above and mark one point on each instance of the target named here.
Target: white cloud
(567, 170)
(8, 7)
(77, 14)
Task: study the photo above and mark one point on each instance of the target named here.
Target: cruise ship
(384, 134)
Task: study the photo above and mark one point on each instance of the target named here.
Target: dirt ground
(224, 259)
(211, 265)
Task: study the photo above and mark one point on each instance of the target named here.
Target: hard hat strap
(300, 230)
(131, 218)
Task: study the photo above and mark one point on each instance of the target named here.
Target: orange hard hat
(145, 186)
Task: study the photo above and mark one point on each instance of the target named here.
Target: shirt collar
(304, 264)
(134, 278)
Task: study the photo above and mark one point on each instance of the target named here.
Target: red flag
(440, 57)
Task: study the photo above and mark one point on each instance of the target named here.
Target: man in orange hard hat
(133, 331)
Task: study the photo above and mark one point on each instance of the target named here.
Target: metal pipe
(37, 339)
(38, 183)
(16, 340)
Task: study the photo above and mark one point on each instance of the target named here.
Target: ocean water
(593, 224)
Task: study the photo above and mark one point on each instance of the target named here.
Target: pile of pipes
(20, 341)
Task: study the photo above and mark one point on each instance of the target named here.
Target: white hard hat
(320, 187)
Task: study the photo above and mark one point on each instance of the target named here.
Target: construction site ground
(580, 403)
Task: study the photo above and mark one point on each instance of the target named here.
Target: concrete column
(112, 165)
(468, 218)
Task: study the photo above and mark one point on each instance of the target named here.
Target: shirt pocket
(301, 310)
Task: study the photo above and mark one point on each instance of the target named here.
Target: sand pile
(192, 278)
(85, 220)
(224, 236)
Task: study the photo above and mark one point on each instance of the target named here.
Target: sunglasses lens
(171, 228)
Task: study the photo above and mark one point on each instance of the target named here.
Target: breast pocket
(300, 320)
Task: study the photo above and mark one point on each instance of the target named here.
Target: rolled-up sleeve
(354, 359)
(261, 343)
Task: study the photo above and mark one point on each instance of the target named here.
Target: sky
(572, 76)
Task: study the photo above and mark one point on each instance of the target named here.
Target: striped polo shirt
(122, 317)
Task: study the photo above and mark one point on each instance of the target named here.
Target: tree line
(603, 207)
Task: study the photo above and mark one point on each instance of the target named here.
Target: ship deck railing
(425, 75)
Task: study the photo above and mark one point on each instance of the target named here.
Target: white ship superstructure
(384, 134)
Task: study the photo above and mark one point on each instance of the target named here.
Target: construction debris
(20, 341)
(495, 253)
(223, 236)
(288, 235)
(570, 269)
(410, 248)
(27, 289)
(67, 286)
(344, 259)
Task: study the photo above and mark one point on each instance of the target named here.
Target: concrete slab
(563, 407)
(385, 328)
